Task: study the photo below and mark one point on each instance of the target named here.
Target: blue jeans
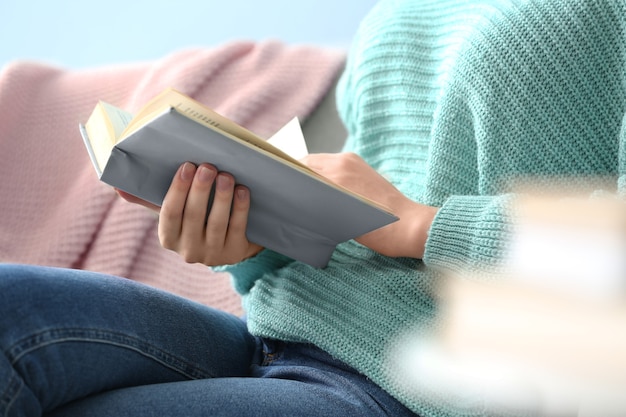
(75, 343)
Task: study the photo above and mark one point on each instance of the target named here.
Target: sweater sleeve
(245, 273)
(621, 180)
(473, 231)
(470, 232)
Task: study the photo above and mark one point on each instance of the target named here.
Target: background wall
(84, 33)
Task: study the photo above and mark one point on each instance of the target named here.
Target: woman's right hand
(184, 227)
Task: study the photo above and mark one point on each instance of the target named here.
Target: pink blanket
(54, 211)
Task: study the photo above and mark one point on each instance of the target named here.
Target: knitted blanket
(54, 209)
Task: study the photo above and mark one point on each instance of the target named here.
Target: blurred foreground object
(547, 330)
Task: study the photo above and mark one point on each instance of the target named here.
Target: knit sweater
(453, 102)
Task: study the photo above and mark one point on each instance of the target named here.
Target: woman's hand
(406, 237)
(184, 227)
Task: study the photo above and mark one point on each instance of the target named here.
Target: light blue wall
(83, 33)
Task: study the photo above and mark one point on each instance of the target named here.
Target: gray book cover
(292, 211)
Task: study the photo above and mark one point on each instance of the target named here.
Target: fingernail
(224, 182)
(205, 174)
(242, 193)
(187, 172)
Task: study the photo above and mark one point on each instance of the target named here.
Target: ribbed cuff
(621, 185)
(469, 232)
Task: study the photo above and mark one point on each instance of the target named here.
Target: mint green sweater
(453, 101)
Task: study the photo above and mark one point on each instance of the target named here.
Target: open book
(294, 210)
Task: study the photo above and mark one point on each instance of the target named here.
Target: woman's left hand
(404, 238)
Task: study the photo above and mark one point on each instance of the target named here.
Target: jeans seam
(10, 394)
(88, 335)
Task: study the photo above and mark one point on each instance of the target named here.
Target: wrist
(422, 219)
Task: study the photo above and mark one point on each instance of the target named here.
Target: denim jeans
(76, 343)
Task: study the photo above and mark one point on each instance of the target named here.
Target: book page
(100, 136)
(118, 119)
(215, 121)
(290, 140)
(170, 98)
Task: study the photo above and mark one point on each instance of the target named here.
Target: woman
(447, 106)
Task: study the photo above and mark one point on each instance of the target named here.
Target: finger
(170, 218)
(219, 216)
(313, 161)
(236, 234)
(197, 204)
(136, 200)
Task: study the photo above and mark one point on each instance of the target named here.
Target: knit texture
(456, 102)
(54, 209)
